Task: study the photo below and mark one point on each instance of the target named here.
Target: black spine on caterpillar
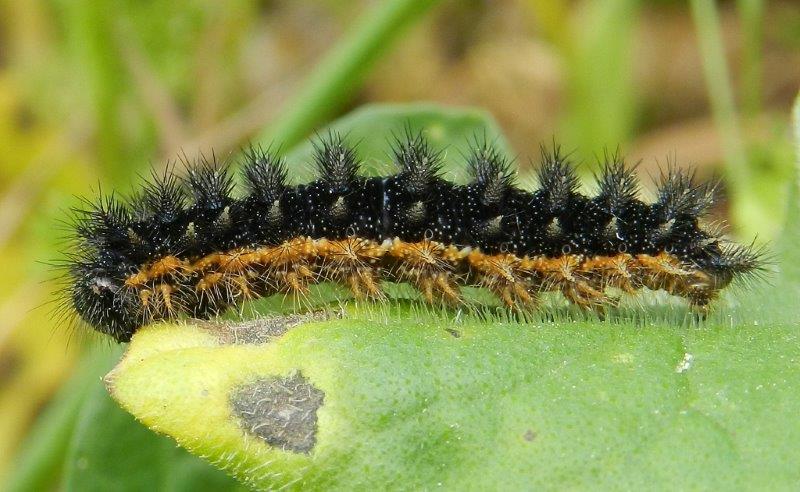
(213, 226)
(270, 211)
(196, 216)
(621, 221)
(341, 202)
(551, 207)
(494, 208)
(158, 213)
(417, 202)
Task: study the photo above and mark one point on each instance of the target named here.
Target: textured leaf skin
(500, 405)
(111, 451)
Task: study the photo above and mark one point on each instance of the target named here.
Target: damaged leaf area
(280, 410)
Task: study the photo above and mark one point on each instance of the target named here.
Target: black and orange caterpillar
(188, 246)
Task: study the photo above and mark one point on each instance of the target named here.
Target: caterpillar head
(103, 302)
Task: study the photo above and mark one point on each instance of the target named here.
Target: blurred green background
(93, 93)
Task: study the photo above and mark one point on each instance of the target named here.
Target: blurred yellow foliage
(35, 358)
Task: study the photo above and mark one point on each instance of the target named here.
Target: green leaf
(403, 396)
(41, 459)
(111, 451)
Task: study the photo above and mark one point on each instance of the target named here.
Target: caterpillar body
(189, 246)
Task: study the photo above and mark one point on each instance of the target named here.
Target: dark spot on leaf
(281, 411)
(455, 333)
(261, 330)
(529, 435)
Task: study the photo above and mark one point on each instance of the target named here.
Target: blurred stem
(751, 15)
(41, 457)
(335, 78)
(788, 244)
(90, 41)
(739, 177)
(796, 122)
(602, 95)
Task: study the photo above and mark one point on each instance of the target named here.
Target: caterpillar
(187, 246)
